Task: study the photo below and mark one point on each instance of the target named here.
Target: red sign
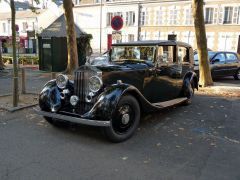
(117, 23)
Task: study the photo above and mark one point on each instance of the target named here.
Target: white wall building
(155, 19)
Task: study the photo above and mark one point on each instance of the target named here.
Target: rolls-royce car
(140, 77)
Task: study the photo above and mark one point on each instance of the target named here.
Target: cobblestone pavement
(200, 141)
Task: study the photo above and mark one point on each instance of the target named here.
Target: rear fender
(192, 77)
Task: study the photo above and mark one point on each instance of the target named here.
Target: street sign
(117, 35)
(117, 23)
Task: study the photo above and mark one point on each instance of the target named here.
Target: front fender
(49, 98)
(108, 101)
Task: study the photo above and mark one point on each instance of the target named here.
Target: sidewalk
(222, 89)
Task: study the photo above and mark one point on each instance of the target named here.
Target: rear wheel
(125, 120)
(237, 75)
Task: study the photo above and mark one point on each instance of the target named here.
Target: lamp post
(100, 38)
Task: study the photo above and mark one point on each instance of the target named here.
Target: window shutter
(164, 16)
(235, 15)
(179, 16)
(157, 17)
(147, 17)
(220, 15)
(127, 18)
(215, 15)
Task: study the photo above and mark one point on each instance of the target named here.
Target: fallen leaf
(124, 158)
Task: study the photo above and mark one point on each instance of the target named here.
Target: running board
(170, 103)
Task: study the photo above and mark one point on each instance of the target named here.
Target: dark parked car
(143, 76)
(221, 64)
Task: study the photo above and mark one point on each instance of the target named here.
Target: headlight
(62, 81)
(95, 83)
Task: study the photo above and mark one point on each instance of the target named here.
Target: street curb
(13, 109)
(3, 95)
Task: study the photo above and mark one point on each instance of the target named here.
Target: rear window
(231, 57)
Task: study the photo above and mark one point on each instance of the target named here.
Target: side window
(231, 57)
(220, 57)
(183, 55)
(165, 55)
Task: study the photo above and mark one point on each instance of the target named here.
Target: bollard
(23, 81)
(53, 75)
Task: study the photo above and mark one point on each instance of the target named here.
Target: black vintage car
(142, 76)
(222, 63)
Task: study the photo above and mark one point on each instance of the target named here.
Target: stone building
(155, 19)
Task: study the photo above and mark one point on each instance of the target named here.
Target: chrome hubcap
(125, 118)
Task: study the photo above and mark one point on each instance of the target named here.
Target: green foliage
(21, 60)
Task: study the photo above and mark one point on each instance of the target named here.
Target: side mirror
(215, 60)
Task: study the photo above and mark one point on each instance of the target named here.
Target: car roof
(223, 52)
(153, 42)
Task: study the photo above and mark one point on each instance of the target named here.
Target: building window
(159, 16)
(25, 26)
(109, 18)
(209, 15)
(188, 16)
(77, 2)
(130, 37)
(33, 26)
(228, 15)
(145, 35)
(173, 13)
(4, 27)
(144, 18)
(130, 18)
(118, 14)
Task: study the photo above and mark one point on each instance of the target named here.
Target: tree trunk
(1, 60)
(71, 37)
(15, 68)
(200, 31)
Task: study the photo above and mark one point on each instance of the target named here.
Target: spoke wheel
(124, 121)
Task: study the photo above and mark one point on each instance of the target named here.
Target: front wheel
(237, 75)
(125, 120)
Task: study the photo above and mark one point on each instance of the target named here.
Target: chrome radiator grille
(81, 88)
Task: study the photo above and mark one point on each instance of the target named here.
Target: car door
(185, 58)
(231, 63)
(218, 65)
(161, 85)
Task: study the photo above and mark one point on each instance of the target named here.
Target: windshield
(210, 55)
(132, 53)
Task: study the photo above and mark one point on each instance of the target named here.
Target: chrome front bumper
(73, 119)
